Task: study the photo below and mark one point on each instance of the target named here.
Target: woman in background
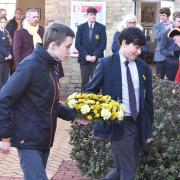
(5, 52)
(129, 20)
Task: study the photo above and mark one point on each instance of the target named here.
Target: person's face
(60, 52)
(3, 23)
(18, 14)
(177, 22)
(131, 23)
(130, 51)
(91, 17)
(33, 18)
(177, 39)
(3, 13)
(163, 18)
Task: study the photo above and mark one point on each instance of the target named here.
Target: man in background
(91, 43)
(170, 50)
(159, 30)
(26, 38)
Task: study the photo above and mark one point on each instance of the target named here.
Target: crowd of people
(29, 98)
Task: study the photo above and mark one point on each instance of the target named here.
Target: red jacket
(177, 79)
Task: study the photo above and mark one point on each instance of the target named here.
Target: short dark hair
(57, 33)
(165, 10)
(132, 35)
(91, 10)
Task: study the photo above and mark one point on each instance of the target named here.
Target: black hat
(91, 10)
(174, 32)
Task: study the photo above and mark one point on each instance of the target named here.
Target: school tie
(131, 91)
(90, 31)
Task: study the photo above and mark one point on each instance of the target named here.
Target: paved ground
(60, 165)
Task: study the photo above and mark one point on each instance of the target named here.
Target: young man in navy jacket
(91, 43)
(112, 76)
(29, 103)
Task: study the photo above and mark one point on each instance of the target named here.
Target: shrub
(159, 160)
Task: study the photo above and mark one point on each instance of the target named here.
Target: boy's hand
(5, 147)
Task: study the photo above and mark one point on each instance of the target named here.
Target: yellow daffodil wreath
(96, 107)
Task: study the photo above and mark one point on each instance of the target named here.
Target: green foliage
(159, 160)
(92, 155)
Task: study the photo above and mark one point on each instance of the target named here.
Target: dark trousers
(33, 163)
(4, 72)
(86, 74)
(161, 69)
(125, 154)
(171, 70)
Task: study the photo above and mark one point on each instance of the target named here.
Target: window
(10, 6)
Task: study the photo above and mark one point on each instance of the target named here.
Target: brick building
(60, 10)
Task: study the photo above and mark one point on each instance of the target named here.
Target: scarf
(32, 30)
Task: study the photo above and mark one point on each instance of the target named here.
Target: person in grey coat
(159, 30)
(171, 50)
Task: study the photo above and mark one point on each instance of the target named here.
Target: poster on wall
(79, 16)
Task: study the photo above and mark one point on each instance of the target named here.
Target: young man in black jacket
(29, 103)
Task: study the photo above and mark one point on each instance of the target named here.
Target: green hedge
(159, 160)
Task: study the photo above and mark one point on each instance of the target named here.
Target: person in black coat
(29, 103)
(91, 43)
(5, 52)
(14, 23)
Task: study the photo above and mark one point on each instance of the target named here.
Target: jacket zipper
(53, 102)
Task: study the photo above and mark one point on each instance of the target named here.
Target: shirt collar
(122, 57)
(90, 24)
(1, 29)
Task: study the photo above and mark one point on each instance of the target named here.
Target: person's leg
(1, 74)
(125, 154)
(112, 175)
(171, 70)
(6, 71)
(85, 75)
(161, 69)
(92, 68)
(33, 163)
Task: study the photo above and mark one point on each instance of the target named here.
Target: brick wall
(60, 10)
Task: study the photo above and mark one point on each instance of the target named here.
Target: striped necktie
(90, 31)
(131, 91)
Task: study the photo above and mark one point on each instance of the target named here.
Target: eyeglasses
(131, 22)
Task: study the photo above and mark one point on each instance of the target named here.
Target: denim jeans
(33, 163)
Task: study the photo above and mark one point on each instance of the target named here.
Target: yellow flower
(97, 115)
(93, 106)
(89, 117)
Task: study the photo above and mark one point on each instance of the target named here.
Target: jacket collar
(42, 52)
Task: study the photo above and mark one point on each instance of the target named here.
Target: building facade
(60, 11)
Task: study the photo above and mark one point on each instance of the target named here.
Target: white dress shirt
(90, 24)
(135, 79)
